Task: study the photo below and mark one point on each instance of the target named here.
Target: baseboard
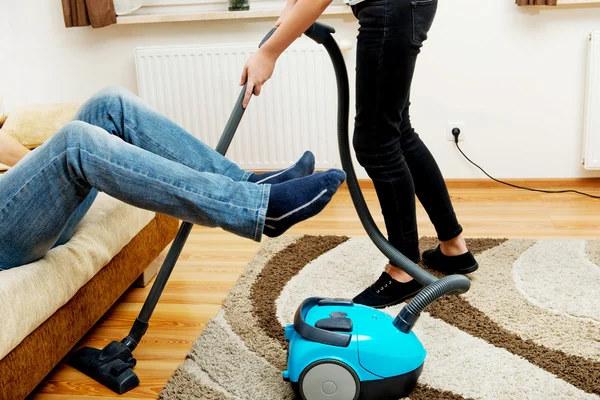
(568, 183)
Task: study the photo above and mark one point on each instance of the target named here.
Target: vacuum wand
(238, 112)
(141, 323)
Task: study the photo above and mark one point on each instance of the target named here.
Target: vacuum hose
(434, 288)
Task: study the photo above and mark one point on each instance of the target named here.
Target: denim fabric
(390, 37)
(118, 145)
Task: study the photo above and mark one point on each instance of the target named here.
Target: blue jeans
(118, 145)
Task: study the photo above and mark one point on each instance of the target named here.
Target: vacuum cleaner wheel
(329, 380)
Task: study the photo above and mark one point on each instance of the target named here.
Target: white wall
(515, 76)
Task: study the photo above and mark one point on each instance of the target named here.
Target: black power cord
(456, 133)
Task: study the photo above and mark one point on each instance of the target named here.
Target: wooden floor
(212, 261)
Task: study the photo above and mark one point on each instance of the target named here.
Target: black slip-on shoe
(462, 264)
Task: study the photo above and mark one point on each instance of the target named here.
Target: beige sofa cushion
(32, 293)
(33, 124)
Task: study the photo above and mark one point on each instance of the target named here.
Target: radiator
(591, 126)
(197, 86)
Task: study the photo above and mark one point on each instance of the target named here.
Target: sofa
(47, 306)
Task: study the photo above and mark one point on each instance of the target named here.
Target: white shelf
(217, 15)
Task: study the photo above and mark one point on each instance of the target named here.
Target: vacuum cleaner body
(339, 350)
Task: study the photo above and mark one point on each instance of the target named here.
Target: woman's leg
(429, 183)
(125, 115)
(389, 41)
(386, 58)
(452, 256)
(38, 196)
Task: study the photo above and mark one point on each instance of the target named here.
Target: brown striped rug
(529, 328)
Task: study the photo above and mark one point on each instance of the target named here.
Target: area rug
(529, 328)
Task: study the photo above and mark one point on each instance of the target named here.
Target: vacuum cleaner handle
(237, 113)
(267, 37)
(317, 32)
(315, 334)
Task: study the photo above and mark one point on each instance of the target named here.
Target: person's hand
(257, 71)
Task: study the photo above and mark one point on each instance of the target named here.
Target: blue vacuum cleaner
(337, 350)
(344, 351)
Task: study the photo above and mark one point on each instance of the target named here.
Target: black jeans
(390, 37)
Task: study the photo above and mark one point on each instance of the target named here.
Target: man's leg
(125, 115)
(40, 194)
(75, 218)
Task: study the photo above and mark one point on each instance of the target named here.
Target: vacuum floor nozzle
(111, 366)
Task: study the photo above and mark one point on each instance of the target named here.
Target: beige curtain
(536, 2)
(97, 13)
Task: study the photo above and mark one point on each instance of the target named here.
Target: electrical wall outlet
(457, 124)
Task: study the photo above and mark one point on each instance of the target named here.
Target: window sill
(217, 15)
